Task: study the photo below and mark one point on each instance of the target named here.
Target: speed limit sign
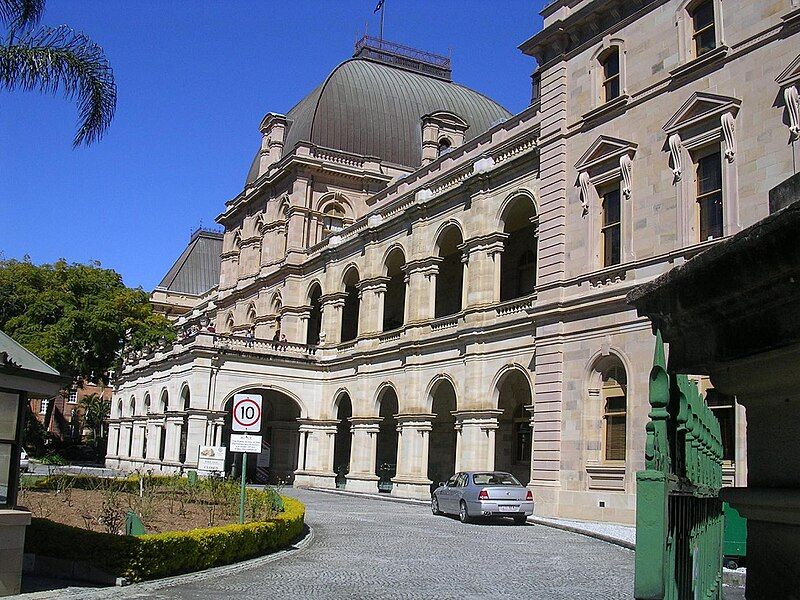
(247, 412)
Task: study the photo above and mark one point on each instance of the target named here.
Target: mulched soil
(160, 510)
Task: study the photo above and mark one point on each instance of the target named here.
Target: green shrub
(159, 555)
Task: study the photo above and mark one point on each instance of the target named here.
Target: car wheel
(435, 506)
(520, 519)
(463, 515)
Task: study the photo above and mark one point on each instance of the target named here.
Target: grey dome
(374, 109)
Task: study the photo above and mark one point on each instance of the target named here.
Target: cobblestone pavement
(366, 548)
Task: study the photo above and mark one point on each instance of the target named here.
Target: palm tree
(96, 411)
(52, 59)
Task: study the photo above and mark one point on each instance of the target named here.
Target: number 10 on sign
(247, 412)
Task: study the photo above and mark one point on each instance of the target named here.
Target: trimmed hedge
(161, 554)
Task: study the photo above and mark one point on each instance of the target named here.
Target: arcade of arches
(391, 451)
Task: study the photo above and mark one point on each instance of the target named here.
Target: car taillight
(483, 495)
(529, 496)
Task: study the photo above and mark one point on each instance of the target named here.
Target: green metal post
(241, 494)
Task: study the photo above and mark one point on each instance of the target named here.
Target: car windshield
(494, 479)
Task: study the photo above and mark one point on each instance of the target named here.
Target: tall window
(450, 278)
(518, 261)
(522, 435)
(333, 219)
(536, 87)
(722, 406)
(709, 195)
(704, 35)
(162, 442)
(144, 442)
(610, 64)
(351, 306)
(611, 228)
(444, 146)
(73, 397)
(43, 404)
(615, 404)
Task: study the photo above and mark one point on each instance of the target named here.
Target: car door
(446, 495)
(458, 490)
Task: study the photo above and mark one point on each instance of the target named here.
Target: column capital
(484, 418)
(375, 284)
(319, 425)
(425, 266)
(333, 299)
(419, 422)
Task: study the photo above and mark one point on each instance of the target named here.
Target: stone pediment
(701, 106)
(790, 75)
(603, 149)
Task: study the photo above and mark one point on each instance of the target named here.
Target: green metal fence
(679, 519)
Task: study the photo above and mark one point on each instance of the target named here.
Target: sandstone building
(450, 279)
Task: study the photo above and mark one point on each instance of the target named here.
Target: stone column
(371, 294)
(195, 437)
(151, 452)
(113, 443)
(421, 297)
(294, 323)
(482, 269)
(332, 305)
(173, 446)
(412, 480)
(476, 439)
(315, 463)
(362, 477)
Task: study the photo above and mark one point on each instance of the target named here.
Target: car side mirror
(442, 484)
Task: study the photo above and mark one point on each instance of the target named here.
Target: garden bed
(85, 523)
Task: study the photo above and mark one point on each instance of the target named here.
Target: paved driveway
(366, 548)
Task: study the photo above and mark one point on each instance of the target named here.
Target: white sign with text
(211, 460)
(242, 442)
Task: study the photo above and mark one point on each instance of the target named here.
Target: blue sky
(194, 80)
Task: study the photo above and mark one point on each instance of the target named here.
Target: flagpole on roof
(380, 7)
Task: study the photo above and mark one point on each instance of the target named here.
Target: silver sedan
(471, 494)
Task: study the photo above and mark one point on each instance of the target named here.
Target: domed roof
(376, 109)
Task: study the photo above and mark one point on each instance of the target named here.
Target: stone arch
(387, 405)
(230, 323)
(450, 277)
(451, 222)
(512, 197)
(163, 401)
(342, 442)
(442, 402)
(352, 303)
(520, 247)
(502, 374)
(251, 313)
(280, 431)
(185, 403)
(337, 398)
(513, 394)
(381, 389)
(304, 414)
(339, 198)
(132, 406)
(394, 298)
(314, 323)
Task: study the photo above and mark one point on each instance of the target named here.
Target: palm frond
(19, 15)
(56, 59)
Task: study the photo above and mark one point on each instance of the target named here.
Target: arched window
(229, 323)
(315, 318)
(185, 404)
(351, 305)
(251, 314)
(444, 146)
(163, 403)
(332, 219)
(147, 404)
(394, 300)
(132, 406)
(450, 279)
(119, 410)
(614, 394)
(518, 261)
(609, 75)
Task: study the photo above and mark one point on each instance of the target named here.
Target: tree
(76, 317)
(95, 411)
(52, 59)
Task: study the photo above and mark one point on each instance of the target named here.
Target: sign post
(246, 418)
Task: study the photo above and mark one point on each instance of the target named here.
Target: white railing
(235, 342)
